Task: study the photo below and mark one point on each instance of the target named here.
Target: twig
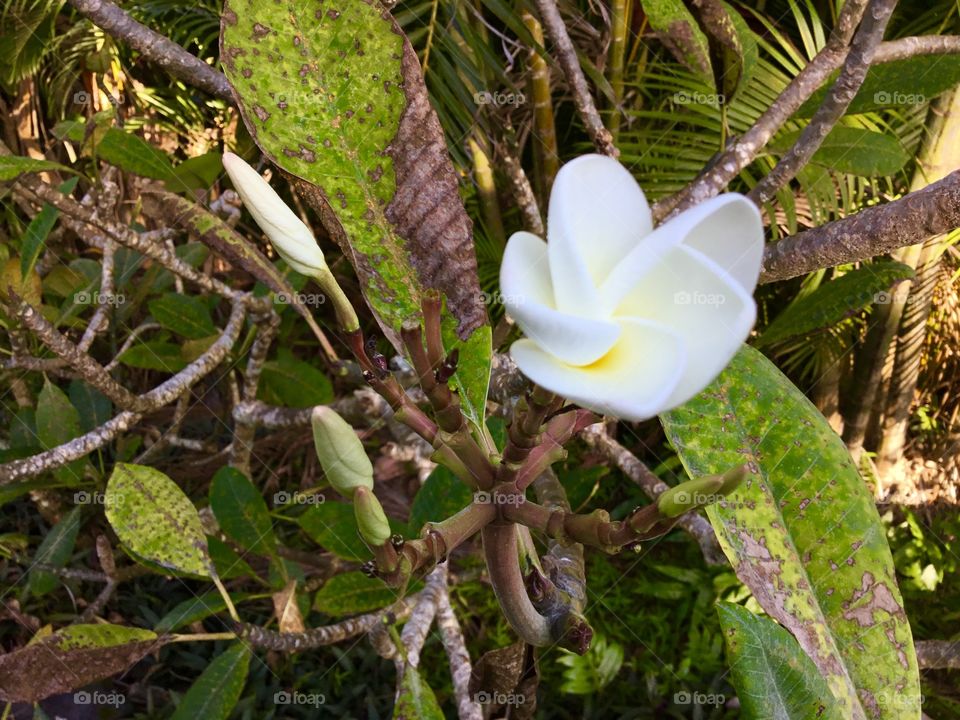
(597, 437)
(415, 631)
(84, 365)
(838, 99)
(567, 55)
(742, 151)
(161, 50)
(934, 210)
(241, 446)
(265, 639)
(99, 320)
(161, 395)
(522, 191)
(456, 649)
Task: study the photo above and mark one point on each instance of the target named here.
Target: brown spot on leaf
(871, 598)
(260, 31)
(261, 113)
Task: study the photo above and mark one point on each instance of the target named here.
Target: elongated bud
(699, 492)
(289, 236)
(340, 452)
(371, 520)
(292, 240)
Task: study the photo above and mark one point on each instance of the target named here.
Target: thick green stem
(619, 26)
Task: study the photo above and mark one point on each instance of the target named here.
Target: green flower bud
(340, 452)
(371, 520)
(698, 492)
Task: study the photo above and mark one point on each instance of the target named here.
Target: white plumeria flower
(621, 318)
(289, 236)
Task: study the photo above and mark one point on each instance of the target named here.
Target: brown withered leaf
(71, 658)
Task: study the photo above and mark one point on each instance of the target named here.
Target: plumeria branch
(158, 48)
(570, 63)
(934, 210)
(838, 99)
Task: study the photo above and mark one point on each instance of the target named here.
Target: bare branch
(415, 632)
(838, 99)
(582, 98)
(84, 365)
(745, 149)
(161, 395)
(460, 667)
(934, 210)
(161, 50)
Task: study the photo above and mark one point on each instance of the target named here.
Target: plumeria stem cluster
(541, 425)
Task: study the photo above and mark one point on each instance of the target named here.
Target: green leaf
(55, 550)
(803, 531)
(13, 166)
(353, 592)
(226, 560)
(774, 678)
(35, 237)
(154, 355)
(155, 519)
(472, 378)
(334, 527)
(241, 511)
(195, 609)
(335, 97)
(901, 83)
(186, 315)
(836, 300)
(293, 383)
(71, 658)
(134, 154)
(197, 173)
(93, 407)
(416, 700)
(679, 32)
(216, 692)
(440, 496)
(856, 151)
(58, 422)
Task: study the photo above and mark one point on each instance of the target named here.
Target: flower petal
(633, 381)
(597, 214)
(727, 229)
(697, 299)
(527, 292)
